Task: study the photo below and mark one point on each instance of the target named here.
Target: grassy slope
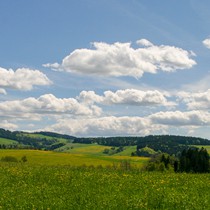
(7, 141)
(127, 152)
(77, 148)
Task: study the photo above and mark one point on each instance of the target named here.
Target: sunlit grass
(76, 148)
(25, 186)
(127, 151)
(59, 158)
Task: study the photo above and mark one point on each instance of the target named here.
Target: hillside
(135, 146)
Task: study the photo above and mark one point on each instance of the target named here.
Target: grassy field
(24, 186)
(88, 157)
(77, 148)
(85, 178)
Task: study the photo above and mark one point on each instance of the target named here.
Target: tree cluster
(161, 162)
(113, 150)
(194, 160)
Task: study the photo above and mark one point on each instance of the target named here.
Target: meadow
(89, 156)
(26, 186)
(85, 178)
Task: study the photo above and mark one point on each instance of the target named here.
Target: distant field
(60, 158)
(77, 148)
(207, 147)
(7, 141)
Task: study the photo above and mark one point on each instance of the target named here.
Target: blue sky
(105, 68)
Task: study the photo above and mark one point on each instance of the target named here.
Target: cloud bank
(120, 59)
(84, 116)
(45, 105)
(105, 126)
(159, 122)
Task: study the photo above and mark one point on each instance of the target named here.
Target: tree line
(192, 160)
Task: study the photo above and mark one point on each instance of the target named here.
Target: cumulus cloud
(200, 100)
(105, 126)
(120, 59)
(90, 97)
(206, 43)
(22, 79)
(158, 122)
(34, 108)
(178, 118)
(127, 97)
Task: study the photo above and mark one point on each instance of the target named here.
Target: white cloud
(120, 59)
(160, 122)
(89, 97)
(136, 97)
(22, 79)
(126, 97)
(8, 125)
(206, 43)
(178, 118)
(200, 100)
(34, 108)
(144, 42)
(105, 126)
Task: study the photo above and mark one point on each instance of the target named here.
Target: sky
(105, 67)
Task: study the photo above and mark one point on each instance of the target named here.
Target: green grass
(7, 141)
(96, 149)
(38, 157)
(127, 151)
(25, 186)
(58, 180)
(77, 148)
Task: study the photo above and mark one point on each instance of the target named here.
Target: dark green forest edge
(166, 152)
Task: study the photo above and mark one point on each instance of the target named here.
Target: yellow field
(59, 158)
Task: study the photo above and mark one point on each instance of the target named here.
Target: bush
(24, 159)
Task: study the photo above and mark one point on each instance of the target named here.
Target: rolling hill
(118, 146)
